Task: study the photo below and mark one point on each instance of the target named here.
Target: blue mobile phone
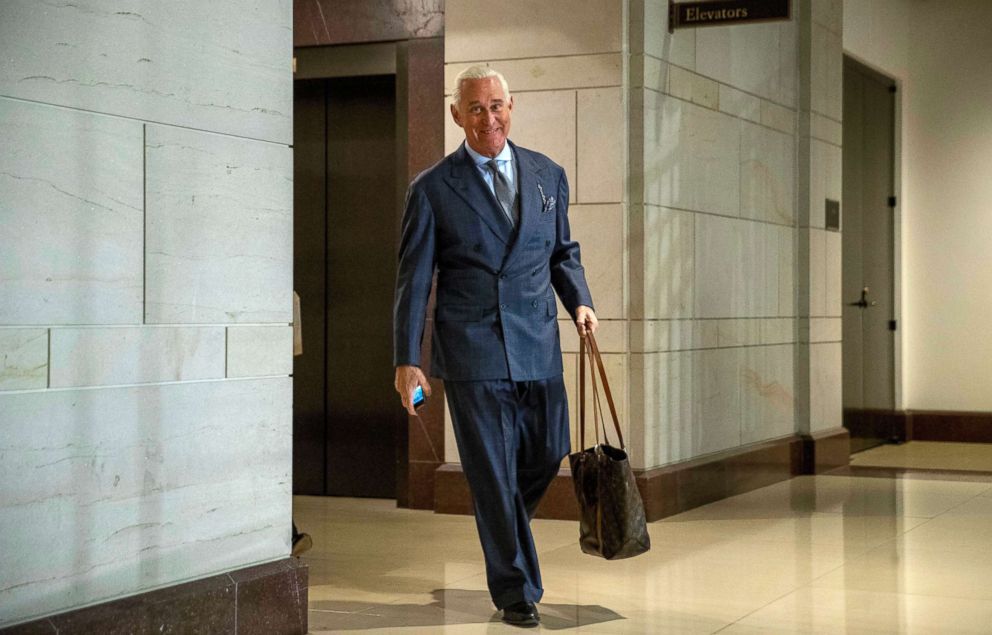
(418, 397)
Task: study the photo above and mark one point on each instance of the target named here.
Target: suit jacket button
(503, 277)
(534, 304)
(502, 306)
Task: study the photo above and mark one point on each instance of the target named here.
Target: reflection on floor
(825, 554)
(928, 455)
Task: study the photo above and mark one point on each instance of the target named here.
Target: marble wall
(696, 160)
(818, 353)
(565, 64)
(145, 301)
(712, 219)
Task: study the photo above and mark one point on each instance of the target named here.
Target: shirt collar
(506, 154)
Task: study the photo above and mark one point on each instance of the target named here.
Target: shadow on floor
(449, 607)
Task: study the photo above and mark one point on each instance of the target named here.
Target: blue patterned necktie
(504, 192)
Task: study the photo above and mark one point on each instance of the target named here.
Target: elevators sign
(717, 12)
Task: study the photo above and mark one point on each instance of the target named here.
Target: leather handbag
(612, 524)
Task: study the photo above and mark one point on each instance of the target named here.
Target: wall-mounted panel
(71, 216)
(114, 491)
(108, 356)
(225, 66)
(220, 229)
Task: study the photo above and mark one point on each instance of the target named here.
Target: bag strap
(597, 408)
(597, 362)
(582, 393)
(599, 421)
(606, 387)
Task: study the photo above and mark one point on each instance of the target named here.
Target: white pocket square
(548, 202)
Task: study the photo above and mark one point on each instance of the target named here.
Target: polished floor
(824, 554)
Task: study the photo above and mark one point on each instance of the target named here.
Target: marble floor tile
(823, 554)
(846, 495)
(829, 611)
(897, 567)
(967, 526)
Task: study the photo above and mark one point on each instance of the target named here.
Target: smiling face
(484, 114)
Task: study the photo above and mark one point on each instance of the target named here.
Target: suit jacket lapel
(464, 178)
(528, 176)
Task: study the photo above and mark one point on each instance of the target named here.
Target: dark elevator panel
(345, 272)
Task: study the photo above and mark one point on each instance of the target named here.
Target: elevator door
(868, 254)
(346, 212)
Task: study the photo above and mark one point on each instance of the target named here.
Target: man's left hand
(585, 320)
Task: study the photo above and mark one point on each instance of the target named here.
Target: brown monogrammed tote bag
(612, 524)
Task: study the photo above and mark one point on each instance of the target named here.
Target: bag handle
(582, 393)
(599, 421)
(597, 361)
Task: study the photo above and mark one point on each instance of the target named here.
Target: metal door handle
(864, 302)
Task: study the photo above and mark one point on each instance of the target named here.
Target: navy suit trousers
(512, 436)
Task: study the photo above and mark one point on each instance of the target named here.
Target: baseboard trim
(825, 450)
(870, 426)
(262, 599)
(676, 488)
(948, 425)
(898, 426)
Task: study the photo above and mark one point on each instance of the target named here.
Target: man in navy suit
(492, 220)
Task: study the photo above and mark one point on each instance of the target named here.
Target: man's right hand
(407, 380)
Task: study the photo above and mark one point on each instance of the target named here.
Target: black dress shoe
(521, 614)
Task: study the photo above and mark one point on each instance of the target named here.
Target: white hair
(478, 72)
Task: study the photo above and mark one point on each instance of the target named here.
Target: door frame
(418, 65)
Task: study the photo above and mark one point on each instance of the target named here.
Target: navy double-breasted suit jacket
(495, 315)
